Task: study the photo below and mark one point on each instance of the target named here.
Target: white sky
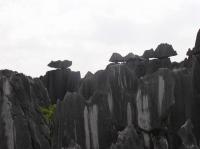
(34, 32)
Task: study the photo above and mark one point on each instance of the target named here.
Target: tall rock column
(196, 88)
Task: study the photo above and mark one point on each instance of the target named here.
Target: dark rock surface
(129, 139)
(181, 110)
(69, 121)
(60, 64)
(153, 65)
(21, 123)
(196, 49)
(59, 81)
(196, 89)
(187, 136)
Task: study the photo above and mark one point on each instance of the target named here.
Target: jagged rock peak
(164, 50)
(149, 54)
(60, 64)
(196, 49)
(89, 75)
(132, 57)
(129, 56)
(116, 57)
(189, 52)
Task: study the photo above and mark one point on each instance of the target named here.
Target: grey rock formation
(59, 81)
(196, 49)
(128, 139)
(181, 110)
(69, 121)
(130, 56)
(149, 54)
(116, 57)
(60, 64)
(22, 125)
(155, 97)
(187, 136)
(153, 65)
(164, 50)
(196, 90)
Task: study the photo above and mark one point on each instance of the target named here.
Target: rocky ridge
(136, 102)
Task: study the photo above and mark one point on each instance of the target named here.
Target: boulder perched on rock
(116, 57)
(149, 54)
(22, 125)
(164, 50)
(60, 64)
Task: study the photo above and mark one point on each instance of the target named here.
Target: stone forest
(137, 102)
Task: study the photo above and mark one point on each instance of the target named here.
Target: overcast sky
(34, 32)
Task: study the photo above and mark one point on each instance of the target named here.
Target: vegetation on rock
(48, 112)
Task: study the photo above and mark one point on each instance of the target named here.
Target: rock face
(181, 110)
(60, 64)
(128, 139)
(164, 51)
(196, 94)
(155, 96)
(153, 65)
(22, 125)
(69, 121)
(107, 100)
(187, 136)
(59, 81)
(196, 49)
(196, 88)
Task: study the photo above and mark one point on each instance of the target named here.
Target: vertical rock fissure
(143, 111)
(110, 102)
(94, 126)
(161, 89)
(86, 124)
(129, 114)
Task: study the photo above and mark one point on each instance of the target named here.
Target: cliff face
(196, 93)
(155, 104)
(22, 125)
(106, 102)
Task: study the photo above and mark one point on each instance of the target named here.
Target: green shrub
(48, 112)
